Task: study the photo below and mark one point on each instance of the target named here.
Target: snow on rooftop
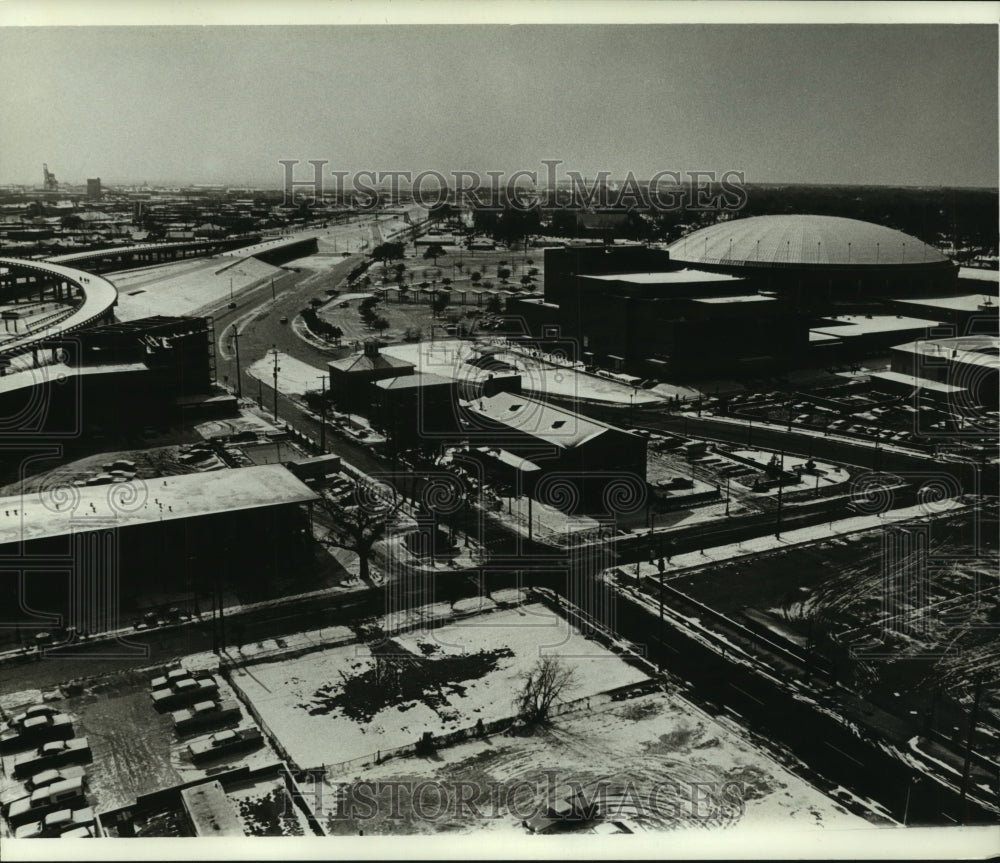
(967, 303)
(970, 350)
(815, 336)
(61, 511)
(56, 372)
(551, 424)
(917, 383)
(414, 381)
(669, 277)
(850, 326)
(747, 298)
(979, 275)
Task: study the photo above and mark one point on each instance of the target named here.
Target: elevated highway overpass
(62, 283)
(144, 254)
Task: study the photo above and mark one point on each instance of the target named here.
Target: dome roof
(802, 241)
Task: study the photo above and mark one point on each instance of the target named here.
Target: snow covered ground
(824, 474)
(801, 536)
(183, 287)
(448, 358)
(662, 763)
(294, 376)
(316, 703)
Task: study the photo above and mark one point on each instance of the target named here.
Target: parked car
(205, 714)
(58, 795)
(168, 678)
(35, 730)
(41, 780)
(32, 712)
(88, 832)
(225, 743)
(184, 690)
(60, 823)
(55, 754)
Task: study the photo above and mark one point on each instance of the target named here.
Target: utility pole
(322, 418)
(272, 288)
(727, 495)
(239, 375)
(781, 485)
(276, 368)
(973, 716)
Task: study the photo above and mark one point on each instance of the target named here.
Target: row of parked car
(53, 799)
(195, 707)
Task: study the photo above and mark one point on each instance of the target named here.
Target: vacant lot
(653, 763)
(334, 705)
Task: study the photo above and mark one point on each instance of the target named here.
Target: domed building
(818, 259)
(740, 298)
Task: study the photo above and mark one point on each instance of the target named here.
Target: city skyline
(867, 105)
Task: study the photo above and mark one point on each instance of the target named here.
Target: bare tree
(545, 682)
(360, 520)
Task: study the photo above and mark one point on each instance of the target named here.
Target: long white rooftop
(71, 509)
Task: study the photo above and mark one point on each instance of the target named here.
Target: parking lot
(135, 748)
(854, 410)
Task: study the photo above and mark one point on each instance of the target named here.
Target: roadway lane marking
(841, 751)
(748, 695)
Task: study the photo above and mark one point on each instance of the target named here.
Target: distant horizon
(911, 105)
(109, 184)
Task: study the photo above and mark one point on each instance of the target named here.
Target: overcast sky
(913, 105)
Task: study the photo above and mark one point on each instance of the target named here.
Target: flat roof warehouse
(45, 514)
